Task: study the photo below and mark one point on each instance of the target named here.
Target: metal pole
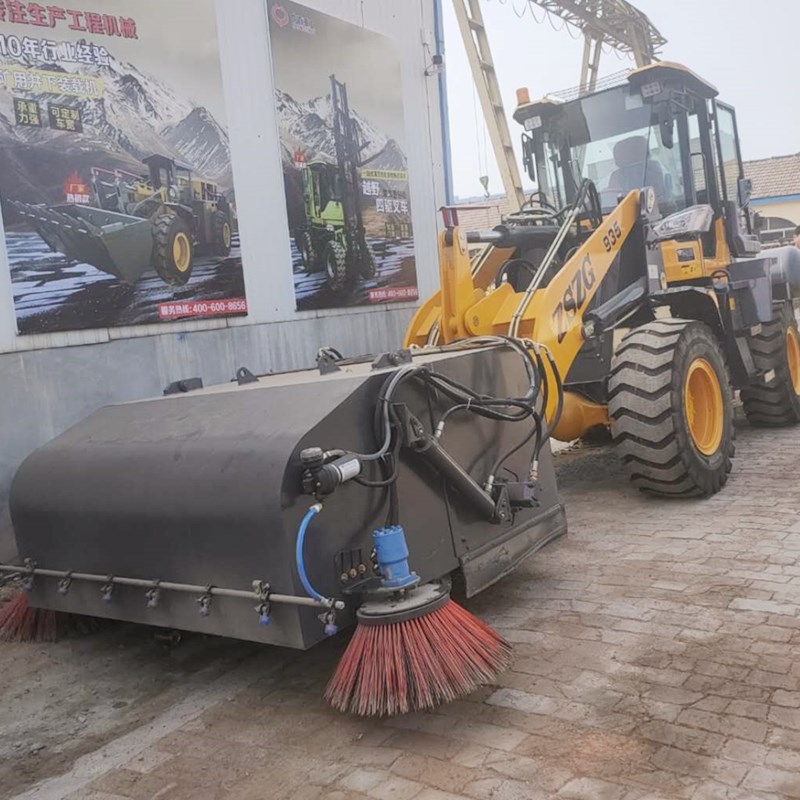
(169, 586)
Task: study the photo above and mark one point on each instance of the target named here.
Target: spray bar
(256, 593)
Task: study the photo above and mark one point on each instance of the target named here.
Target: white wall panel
(247, 78)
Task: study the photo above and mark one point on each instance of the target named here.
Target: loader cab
(322, 194)
(662, 128)
(172, 179)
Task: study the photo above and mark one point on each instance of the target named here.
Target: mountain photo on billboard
(338, 95)
(139, 115)
(116, 183)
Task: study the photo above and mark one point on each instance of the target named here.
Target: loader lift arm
(551, 315)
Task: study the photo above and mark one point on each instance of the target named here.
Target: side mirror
(529, 156)
(758, 222)
(745, 189)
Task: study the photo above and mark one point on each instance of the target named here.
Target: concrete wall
(49, 382)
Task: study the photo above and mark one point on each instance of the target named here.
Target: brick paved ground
(656, 657)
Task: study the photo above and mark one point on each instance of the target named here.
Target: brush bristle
(21, 622)
(417, 664)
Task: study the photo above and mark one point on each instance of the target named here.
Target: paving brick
(746, 708)
(544, 773)
(784, 759)
(724, 724)
(90, 794)
(592, 789)
(306, 793)
(362, 780)
(722, 770)
(779, 782)
(767, 606)
(789, 699)
(488, 735)
(396, 788)
(682, 737)
(434, 772)
(150, 759)
(744, 751)
(134, 785)
(523, 701)
(424, 744)
(785, 717)
(503, 789)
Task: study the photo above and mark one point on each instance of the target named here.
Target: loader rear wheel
(776, 349)
(223, 235)
(336, 266)
(173, 251)
(367, 265)
(671, 409)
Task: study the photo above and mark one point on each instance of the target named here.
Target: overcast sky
(746, 48)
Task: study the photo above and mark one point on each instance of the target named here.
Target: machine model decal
(338, 98)
(613, 235)
(575, 296)
(115, 174)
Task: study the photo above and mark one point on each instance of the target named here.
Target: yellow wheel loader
(636, 267)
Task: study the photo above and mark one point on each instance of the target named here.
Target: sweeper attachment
(278, 509)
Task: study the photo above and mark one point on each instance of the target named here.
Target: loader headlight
(691, 221)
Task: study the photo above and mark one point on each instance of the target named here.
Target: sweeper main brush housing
(183, 511)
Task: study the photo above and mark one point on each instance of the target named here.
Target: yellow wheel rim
(793, 357)
(703, 406)
(181, 252)
(226, 235)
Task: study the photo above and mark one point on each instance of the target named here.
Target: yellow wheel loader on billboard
(133, 224)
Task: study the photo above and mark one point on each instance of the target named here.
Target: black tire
(310, 254)
(648, 409)
(367, 266)
(173, 249)
(775, 402)
(336, 266)
(223, 234)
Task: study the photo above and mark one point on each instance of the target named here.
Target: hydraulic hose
(301, 539)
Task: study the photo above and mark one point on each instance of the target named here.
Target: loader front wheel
(776, 353)
(671, 409)
(173, 251)
(336, 266)
(223, 234)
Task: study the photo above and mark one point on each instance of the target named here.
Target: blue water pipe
(301, 539)
(329, 619)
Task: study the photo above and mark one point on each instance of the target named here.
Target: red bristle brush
(22, 622)
(413, 648)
